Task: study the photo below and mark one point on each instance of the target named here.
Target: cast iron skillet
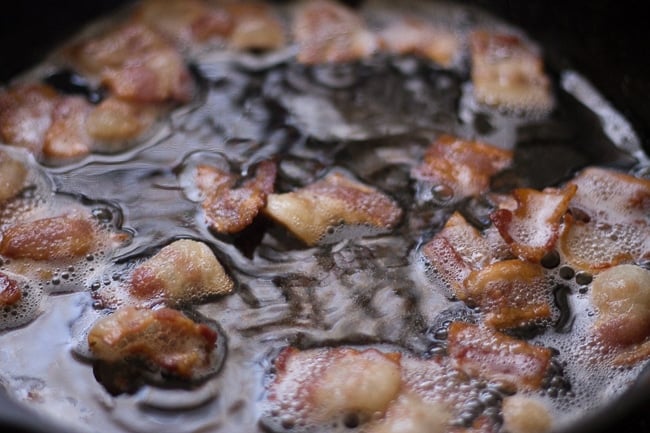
(603, 40)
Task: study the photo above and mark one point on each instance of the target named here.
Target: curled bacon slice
(411, 35)
(464, 166)
(183, 271)
(13, 174)
(411, 414)
(533, 228)
(309, 212)
(526, 415)
(55, 238)
(327, 31)
(10, 293)
(164, 338)
(229, 209)
(482, 352)
(610, 223)
(136, 64)
(460, 249)
(506, 72)
(511, 293)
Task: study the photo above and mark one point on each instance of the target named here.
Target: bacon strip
(511, 293)
(164, 338)
(255, 27)
(181, 272)
(611, 221)
(533, 228)
(507, 73)
(464, 166)
(330, 383)
(26, 115)
(136, 64)
(68, 137)
(309, 212)
(411, 35)
(230, 210)
(55, 238)
(327, 31)
(481, 352)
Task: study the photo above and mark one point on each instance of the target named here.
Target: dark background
(607, 41)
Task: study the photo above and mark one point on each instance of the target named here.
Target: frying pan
(603, 40)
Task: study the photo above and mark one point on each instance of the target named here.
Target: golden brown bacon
(481, 352)
(26, 115)
(309, 212)
(12, 176)
(533, 228)
(136, 64)
(10, 293)
(611, 220)
(164, 338)
(460, 249)
(56, 238)
(184, 21)
(510, 293)
(464, 166)
(506, 72)
(228, 209)
(255, 26)
(330, 383)
(411, 35)
(181, 272)
(68, 137)
(327, 31)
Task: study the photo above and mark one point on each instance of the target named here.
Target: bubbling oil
(372, 118)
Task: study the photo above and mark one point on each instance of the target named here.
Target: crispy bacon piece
(67, 136)
(255, 26)
(511, 293)
(13, 174)
(164, 338)
(412, 35)
(228, 209)
(506, 72)
(115, 120)
(183, 271)
(329, 383)
(525, 415)
(622, 296)
(464, 166)
(185, 21)
(327, 31)
(460, 249)
(10, 293)
(26, 115)
(56, 238)
(309, 212)
(136, 64)
(611, 220)
(482, 352)
(533, 228)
